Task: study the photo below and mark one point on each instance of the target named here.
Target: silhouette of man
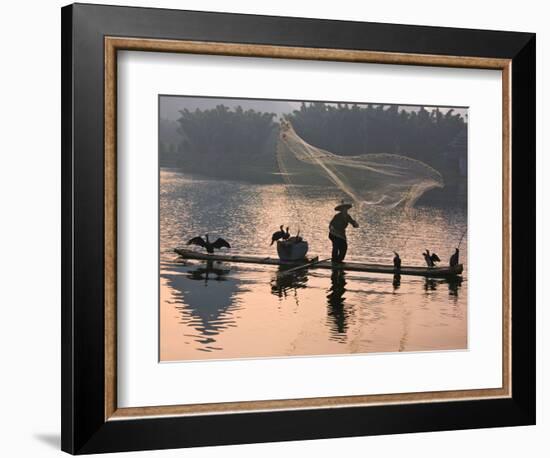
(337, 231)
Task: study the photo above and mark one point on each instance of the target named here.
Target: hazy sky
(171, 105)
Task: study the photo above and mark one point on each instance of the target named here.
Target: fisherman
(337, 231)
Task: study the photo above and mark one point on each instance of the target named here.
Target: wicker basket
(290, 250)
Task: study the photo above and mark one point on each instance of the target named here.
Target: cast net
(385, 180)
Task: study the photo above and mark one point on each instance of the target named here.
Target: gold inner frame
(114, 44)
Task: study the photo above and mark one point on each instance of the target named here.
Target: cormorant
(277, 235)
(430, 259)
(454, 258)
(396, 261)
(287, 234)
(296, 238)
(210, 247)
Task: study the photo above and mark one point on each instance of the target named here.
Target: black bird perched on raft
(278, 235)
(454, 258)
(287, 234)
(396, 261)
(428, 258)
(431, 259)
(295, 239)
(210, 247)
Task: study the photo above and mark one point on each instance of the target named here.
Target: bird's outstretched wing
(435, 258)
(196, 241)
(221, 243)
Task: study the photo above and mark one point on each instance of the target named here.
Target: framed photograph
(283, 228)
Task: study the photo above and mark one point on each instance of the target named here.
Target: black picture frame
(84, 427)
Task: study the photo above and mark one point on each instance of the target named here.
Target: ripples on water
(213, 310)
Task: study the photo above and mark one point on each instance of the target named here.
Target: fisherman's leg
(339, 255)
(334, 247)
(338, 242)
(343, 249)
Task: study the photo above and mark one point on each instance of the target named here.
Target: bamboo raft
(433, 272)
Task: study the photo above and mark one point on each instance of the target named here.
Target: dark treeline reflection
(206, 303)
(240, 144)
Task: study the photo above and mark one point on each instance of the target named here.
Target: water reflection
(396, 282)
(453, 283)
(430, 284)
(339, 313)
(454, 286)
(285, 284)
(216, 271)
(207, 307)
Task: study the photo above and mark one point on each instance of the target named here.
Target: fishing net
(385, 180)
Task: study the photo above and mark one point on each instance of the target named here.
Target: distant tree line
(226, 143)
(240, 144)
(352, 129)
(435, 137)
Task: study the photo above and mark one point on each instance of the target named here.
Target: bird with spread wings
(209, 246)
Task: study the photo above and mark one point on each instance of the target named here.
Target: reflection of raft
(292, 250)
(433, 272)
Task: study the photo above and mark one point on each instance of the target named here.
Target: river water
(213, 310)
